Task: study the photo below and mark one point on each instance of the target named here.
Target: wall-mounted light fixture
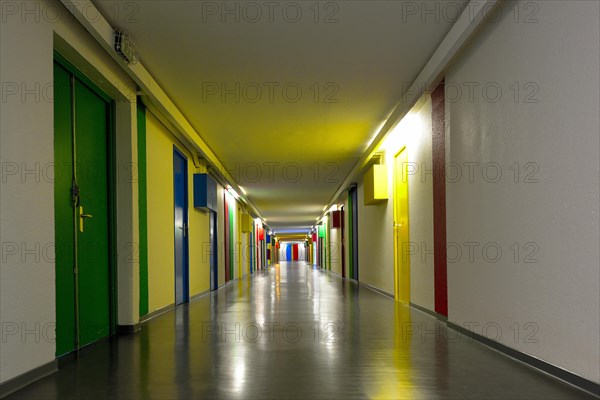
(125, 46)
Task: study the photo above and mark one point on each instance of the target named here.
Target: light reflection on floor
(293, 331)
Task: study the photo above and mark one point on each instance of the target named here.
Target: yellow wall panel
(376, 184)
(247, 223)
(199, 241)
(161, 252)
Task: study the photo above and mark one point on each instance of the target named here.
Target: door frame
(111, 164)
(186, 240)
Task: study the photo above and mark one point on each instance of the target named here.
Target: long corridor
(294, 331)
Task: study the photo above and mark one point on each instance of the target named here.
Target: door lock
(184, 228)
(82, 216)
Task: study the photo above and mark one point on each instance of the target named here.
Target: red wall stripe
(438, 116)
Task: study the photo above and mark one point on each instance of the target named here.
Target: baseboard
(199, 295)
(533, 362)
(376, 290)
(331, 272)
(441, 317)
(156, 313)
(27, 378)
(339, 275)
(66, 359)
(128, 329)
(229, 282)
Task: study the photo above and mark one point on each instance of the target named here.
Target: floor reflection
(293, 331)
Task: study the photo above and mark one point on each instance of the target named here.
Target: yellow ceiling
(288, 107)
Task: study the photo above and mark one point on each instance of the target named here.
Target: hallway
(257, 338)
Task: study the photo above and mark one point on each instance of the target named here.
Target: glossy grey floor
(295, 332)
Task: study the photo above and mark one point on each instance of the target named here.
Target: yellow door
(401, 233)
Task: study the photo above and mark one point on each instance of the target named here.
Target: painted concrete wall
(27, 287)
(245, 246)
(375, 246)
(283, 248)
(161, 276)
(161, 246)
(199, 241)
(543, 216)
(346, 249)
(375, 222)
(26, 277)
(335, 247)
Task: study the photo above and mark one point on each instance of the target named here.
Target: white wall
(335, 246)
(346, 249)
(375, 246)
(27, 216)
(557, 216)
(301, 251)
(27, 203)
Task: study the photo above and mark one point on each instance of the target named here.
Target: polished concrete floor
(294, 332)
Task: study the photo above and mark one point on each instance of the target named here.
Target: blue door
(180, 194)
(214, 252)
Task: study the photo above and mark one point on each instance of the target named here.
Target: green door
(81, 194)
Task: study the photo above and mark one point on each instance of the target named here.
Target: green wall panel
(143, 208)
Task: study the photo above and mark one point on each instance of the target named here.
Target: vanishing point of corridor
(293, 331)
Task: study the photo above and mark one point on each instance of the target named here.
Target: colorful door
(401, 228)
(214, 252)
(343, 242)
(180, 194)
(353, 232)
(82, 208)
(226, 234)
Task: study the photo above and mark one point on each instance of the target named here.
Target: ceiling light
(233, 193)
